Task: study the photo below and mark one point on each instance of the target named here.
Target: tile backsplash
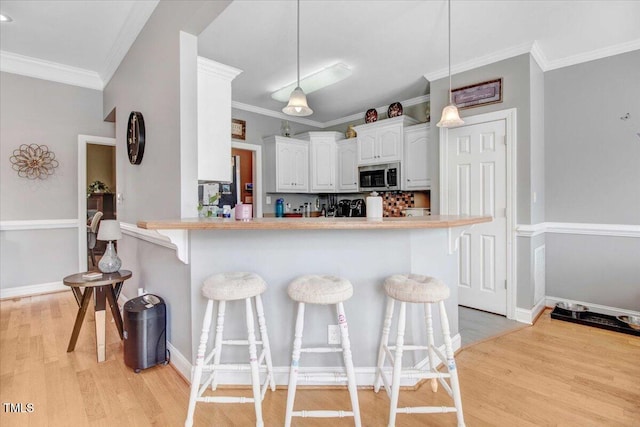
(394, 203)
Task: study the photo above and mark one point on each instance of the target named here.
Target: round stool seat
(233, 286)
(314, 289)
(415, 288)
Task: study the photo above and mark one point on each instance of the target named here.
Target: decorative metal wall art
(34, 161)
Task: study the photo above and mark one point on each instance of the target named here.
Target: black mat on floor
(598, 320)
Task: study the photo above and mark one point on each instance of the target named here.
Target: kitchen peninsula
(364, 251)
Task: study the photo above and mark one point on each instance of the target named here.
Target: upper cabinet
(214, 120)
(286, 165)
(382, 142)
(415, 169)
(322, 160)
(347, 167)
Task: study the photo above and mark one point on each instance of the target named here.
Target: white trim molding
(177, 240)
(47, 70)
(612, 230)
(604, 309)
(38, 224)
(29, 290)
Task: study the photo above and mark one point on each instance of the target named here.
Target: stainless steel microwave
(383, 177)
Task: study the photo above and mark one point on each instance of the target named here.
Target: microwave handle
(386, 177)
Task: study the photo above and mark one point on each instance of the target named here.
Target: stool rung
(322, 414)
(426, 409)
(225, 399)
(420, 374)
(230, 367)
(321, 350)
(322, 377)
(410, 347)
(239, 342)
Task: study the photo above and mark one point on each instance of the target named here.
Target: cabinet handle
(408, 180)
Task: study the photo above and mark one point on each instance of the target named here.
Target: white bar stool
(323, 290)
(414, 288)
(222, 288)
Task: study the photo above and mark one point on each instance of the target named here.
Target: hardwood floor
(552, 373)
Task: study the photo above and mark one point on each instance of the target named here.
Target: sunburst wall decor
(34, 161)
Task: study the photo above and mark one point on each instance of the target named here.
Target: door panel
(477, 186)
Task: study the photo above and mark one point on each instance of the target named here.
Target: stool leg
(384, 342)
(451, 364)
(397, 367)
(265, 342)
(431, 343)
(295, 361)
(348, 363)
(218, 343)
(197, 375)
(253, 362)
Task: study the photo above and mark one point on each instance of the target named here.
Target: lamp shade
(109, 230)
(450, 117)
(297, 104)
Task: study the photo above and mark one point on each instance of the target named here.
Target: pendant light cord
(298, 43)
(449, 15)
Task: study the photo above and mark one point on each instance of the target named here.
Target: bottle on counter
(226, 211)
(323, 212)
(279, 208)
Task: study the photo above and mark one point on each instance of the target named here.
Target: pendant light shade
(298, 100)
(297, 104)
(450, 116)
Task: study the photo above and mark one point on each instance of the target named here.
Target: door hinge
(505, 284)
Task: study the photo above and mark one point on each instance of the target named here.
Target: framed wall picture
(238, 129)
(478, 94)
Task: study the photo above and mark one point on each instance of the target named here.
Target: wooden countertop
(415, 222)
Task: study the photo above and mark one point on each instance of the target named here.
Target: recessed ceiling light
(318, 80)
(5, 18)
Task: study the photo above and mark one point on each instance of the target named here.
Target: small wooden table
(107, 287)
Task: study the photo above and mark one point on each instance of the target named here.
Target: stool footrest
(421, 374)
(225, 399)
(426, 409)
(321, 350)
(322, 377)
(410, 347)
(231, 368)
(239, 342)
(322, 414)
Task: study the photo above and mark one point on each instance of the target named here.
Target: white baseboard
(611, 311)
(25, 291)
(528, 316)
(365, 376)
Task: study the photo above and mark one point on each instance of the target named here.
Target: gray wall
(592, 164)
(34, 111)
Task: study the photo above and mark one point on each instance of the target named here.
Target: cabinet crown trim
(402, 120)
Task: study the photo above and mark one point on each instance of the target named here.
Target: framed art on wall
(238, 129)
(478, 94)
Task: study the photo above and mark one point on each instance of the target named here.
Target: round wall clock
(135, 137)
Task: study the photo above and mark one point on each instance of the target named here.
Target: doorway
(477, 177)
(250, 174)
(97, 192)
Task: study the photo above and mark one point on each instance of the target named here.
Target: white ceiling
(390, 45)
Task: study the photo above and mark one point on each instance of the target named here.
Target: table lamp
(109, 231)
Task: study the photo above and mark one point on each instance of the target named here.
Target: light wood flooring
(551, 374)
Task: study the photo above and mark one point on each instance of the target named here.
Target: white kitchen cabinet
(347, 166)
(286, 165)
(415, 170)
(214, 120)
(322, 160)
(382, 142)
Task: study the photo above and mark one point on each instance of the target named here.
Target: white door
(347, 167)
(476, 177)
(322, 164)
(285, 168)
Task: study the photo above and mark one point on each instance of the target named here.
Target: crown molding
(593, 55)
(274, 114)
(539, 56)
(217, 69)
(46, 70)
(480, 62)
(138, 16)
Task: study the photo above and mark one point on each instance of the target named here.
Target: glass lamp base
(109, 263)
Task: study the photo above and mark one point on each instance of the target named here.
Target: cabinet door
(301, 168)
(416, 170)
(322, 165)
(367, 152)
(285, 166)
(347, 167)
(390, 144)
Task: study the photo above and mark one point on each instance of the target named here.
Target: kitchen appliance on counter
(382, 177)
(358, 208)
(344, 208)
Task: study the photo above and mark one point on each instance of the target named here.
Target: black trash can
(145, 332)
